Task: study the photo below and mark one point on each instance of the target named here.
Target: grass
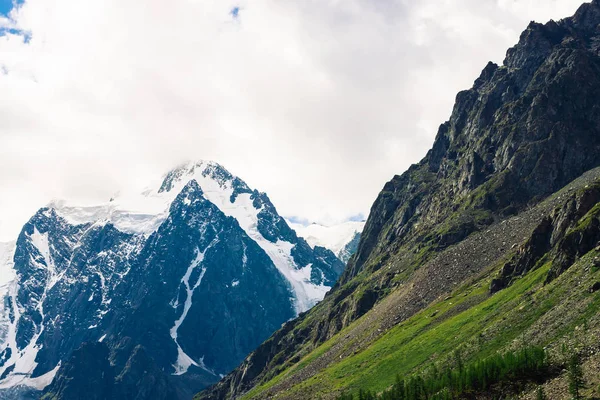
(412, 344)
(481, 376)
(471, 320)
(479, 324)
(585, 221)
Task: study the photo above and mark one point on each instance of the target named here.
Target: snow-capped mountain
(342, 239)
(183, 280)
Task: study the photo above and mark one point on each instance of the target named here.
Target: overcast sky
(316, 102)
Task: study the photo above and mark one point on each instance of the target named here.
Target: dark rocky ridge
(523, 131)
(556, 239)
(88, 374)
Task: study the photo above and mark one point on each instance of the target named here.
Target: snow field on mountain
(24, 360)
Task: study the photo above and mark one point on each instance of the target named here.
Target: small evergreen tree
(576, 382)
(458, 360)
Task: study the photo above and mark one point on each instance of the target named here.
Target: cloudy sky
(316, 102)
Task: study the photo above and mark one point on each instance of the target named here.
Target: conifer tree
(576, 382)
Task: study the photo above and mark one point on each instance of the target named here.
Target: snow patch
(24, 359)
(307, 294)
(7, 273)
(184, 361)
(38, 383)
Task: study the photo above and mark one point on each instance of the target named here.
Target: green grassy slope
(525, 313)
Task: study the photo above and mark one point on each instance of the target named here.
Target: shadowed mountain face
(522, 132)
(157, 296)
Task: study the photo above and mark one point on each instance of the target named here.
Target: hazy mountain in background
(340, 238)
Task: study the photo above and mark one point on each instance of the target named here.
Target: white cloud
(316, 102)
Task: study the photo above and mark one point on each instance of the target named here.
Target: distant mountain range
(158, 294)
(340, 238)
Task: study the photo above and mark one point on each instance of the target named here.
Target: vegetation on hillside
(527, 364)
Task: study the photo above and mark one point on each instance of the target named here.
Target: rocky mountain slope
(341, 238)
(7, 275)
(476, 246)
(157, 294)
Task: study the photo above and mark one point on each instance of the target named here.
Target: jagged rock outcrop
(86, 375)
(567, 233)
(524, 130)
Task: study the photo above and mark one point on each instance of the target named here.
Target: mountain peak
(191, 169)
(202, 250)
(587, 17)
(143, 212)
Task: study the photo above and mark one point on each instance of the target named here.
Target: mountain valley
(488, 245)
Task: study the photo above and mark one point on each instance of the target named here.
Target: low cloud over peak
(318, 103)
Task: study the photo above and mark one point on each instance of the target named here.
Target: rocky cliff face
(567, 233)
(524, 130)
(159, 296)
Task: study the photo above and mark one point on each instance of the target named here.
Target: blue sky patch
(298, 220)
(5, 8)
(11, 31)
(7, 5)
(358, 217)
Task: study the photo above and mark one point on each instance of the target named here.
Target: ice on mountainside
(88, 256)
(183, 360)
(24, 360)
